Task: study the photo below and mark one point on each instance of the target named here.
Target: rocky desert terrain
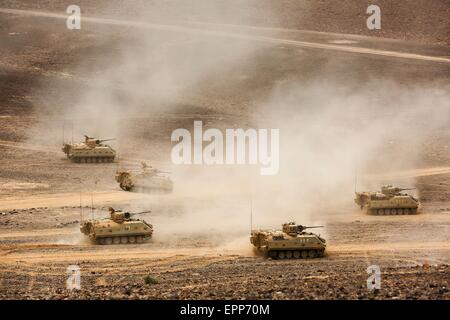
(365, 109)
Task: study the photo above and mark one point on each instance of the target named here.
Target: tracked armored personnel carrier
(390, 201)
(90, 151)
(150, 180)
(119, 228)
(292, 242)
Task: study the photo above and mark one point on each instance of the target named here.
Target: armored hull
(288, 244)
(79, 153)
(119, 229)
(387, 202)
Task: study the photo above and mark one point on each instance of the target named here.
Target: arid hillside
(418, 20)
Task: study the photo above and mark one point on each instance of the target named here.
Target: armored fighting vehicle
(90, 151)
(150, 180)
(118, 228)
(390, 201)
(290, 242)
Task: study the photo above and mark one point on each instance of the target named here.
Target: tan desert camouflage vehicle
(119, 228)
(289, 243)
(150, 180)
(90, 151)
(390, 201)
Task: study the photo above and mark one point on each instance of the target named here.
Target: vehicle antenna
(81, 209)
(92, 205)
(251, 215)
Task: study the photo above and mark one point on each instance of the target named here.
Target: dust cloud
(329, 135)
(329, 132)
(137, 72)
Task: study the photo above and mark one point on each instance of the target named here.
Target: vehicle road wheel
(272, 254)
(407, 211)
(320, 253)
(108, 241)
(312, 253)
(132, 239)
(394, 211)
(400, 211)
(281, 255)
(123, 240)
(116, 240)
(139, 239)
(101, 241)
(380, 212)
(304, 254)
(296, 254)
(289, 254)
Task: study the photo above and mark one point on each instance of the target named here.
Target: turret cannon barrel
(142, 212)
(301, 228)
(162, 171)
(98, 141)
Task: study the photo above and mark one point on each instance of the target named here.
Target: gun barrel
(313, 227)
(142, 212)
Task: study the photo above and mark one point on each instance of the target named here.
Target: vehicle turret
(293, 228)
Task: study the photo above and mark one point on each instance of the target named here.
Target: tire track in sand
(203, 30)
